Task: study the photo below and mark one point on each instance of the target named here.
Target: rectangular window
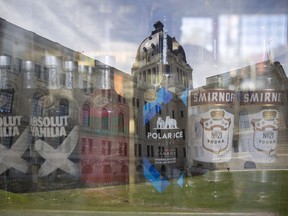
(149, 76)
(46, 74)
(8, 97)
(90, 146)
(38, 71)
(135, 150)
(106, 147)
(139, 150)
(148, 150)
(91, 87)
(17, 65)
(154, 78)
(85, 86)
(144, 76)
(125, 149)
(63, 79)
(8, 67)
(121, 149)
(184, 152)
(37, 110)
(109, 147)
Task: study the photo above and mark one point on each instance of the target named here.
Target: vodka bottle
(261, 114)
(14, 146)
(211, 123)
(161, 76)
(54, 127)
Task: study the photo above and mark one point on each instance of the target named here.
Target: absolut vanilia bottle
(14, 146)
(54, 127)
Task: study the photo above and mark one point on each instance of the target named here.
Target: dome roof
(154, 44)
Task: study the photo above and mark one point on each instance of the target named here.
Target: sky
(117, 28)
(96, 28)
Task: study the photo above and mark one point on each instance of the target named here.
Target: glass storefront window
(143, 107)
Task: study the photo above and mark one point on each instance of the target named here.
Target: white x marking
(58, 158)
(12, 157)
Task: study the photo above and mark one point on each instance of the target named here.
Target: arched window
(64, 107)
(121, 122)
(85, 115)
(104, 119)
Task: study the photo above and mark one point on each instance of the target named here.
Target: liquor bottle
(261, 115)
(104, 133)
(211, 134)
(54, 127)
(211, 123)
(14, 146)
(161, 76)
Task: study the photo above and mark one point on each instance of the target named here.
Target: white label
(212, 134)
(167, 126)
(11, 157)
(59, 157)
(259, 136)
(48, 126)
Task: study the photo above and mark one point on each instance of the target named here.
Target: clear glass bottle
(211, 125)
(54, 126)
(15, 158)
(162, 76)
(262, 115)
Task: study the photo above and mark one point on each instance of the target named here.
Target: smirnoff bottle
(14, 146)
(211, 130)
(211, 124)
(54, 126)
(261, 115)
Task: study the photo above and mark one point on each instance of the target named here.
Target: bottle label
(11, 157)
(55, 137)
(166, 129)
(259, 134)
(48, 126)
(212, 136)
(58, 158)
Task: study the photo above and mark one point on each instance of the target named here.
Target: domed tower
(162, 78)
(161, 62)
